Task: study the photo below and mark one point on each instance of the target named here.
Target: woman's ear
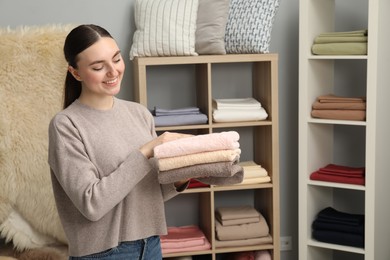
(74, 72)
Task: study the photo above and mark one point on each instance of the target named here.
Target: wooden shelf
(264, 135)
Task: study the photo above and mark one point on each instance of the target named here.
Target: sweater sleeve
(79, 178)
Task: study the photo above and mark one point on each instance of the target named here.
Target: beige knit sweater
(106, 191)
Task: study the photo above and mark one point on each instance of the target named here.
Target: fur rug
(32, 73)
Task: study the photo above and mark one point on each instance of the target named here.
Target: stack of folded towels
(184, 239)
(240, 226)
(340, 108)
(254, 173)
(209, 158)
(340, 174)
(341, 43)
(179, 116)
(238, 109)
(332, 226)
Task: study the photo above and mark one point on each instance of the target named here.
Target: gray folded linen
(217, 173)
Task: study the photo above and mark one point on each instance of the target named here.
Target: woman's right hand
(147, 149)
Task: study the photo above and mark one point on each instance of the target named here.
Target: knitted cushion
(249, 26)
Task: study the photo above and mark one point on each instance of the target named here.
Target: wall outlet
(285, 243)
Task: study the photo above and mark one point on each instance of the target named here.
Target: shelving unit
(353, 143)
(263, 135)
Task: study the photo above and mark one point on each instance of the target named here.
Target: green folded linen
(345, 48)
(334, 39)
(345, 33)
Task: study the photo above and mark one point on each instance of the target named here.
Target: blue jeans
(143, 249)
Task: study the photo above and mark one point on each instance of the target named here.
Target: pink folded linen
(198, 143)
(184, 239)
(166, 164)
(262, 255)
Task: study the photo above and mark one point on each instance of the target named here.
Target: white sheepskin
(32, 74)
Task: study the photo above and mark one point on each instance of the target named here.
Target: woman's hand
(147, 149)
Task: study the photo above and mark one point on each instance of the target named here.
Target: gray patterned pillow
(249, 25)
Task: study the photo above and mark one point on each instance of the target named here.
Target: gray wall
(117, 17)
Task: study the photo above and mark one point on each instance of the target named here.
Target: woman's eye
(97, 69)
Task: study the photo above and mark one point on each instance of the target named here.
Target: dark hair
(79, 39)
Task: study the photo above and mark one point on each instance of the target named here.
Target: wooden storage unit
(353, 143)
(263, 135)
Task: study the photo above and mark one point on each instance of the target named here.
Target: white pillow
(249, 26)
(164, 28)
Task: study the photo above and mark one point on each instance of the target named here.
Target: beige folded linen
(343, 48)
(239, 221)
(244, 242)
(339, 105)
(236, 103)
(239, 115)
(358, 115)
(166, 164)
(242, 231)
(331, 98)
(257, 180)
(237, 212)
(205, 170)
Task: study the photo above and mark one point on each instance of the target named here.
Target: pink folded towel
(198, 143)
(166, 164)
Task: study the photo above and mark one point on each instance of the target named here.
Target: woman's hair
(79, 39)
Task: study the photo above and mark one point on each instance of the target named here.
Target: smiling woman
(99, 155)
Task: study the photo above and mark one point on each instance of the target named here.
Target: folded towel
(342, 170)
(343, 48)
(200, 172)
(233, 115)
(345, 38)
(237, 212)
(356, 115)
(332, 215)
(244, 242)
(363, 32)
(198, 143)
(165, 164)
(236, 103)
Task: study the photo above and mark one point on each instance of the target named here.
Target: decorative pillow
(164, 28)
(210, 26)
(249, 26)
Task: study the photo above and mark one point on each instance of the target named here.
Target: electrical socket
(285, 243)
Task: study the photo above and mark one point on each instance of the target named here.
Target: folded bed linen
(165, 164)
(362, 32)
(356, 115)
(198, 143)
(258, 180)
(178, 111)
(339, 105)
(241, 231)
(316, 176)
(326, 225)
(237, 212)
(343, 48)
(236, 103)
(244, 242)
(341, 169)
(203, 172)
(232, 115)
(332, 215)
(339, 238)
(331, 98)
(191, 119)
(345, 38)
(223, 181)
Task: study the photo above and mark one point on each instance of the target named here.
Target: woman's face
(100, 69)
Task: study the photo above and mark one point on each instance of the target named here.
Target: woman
(109, 200)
